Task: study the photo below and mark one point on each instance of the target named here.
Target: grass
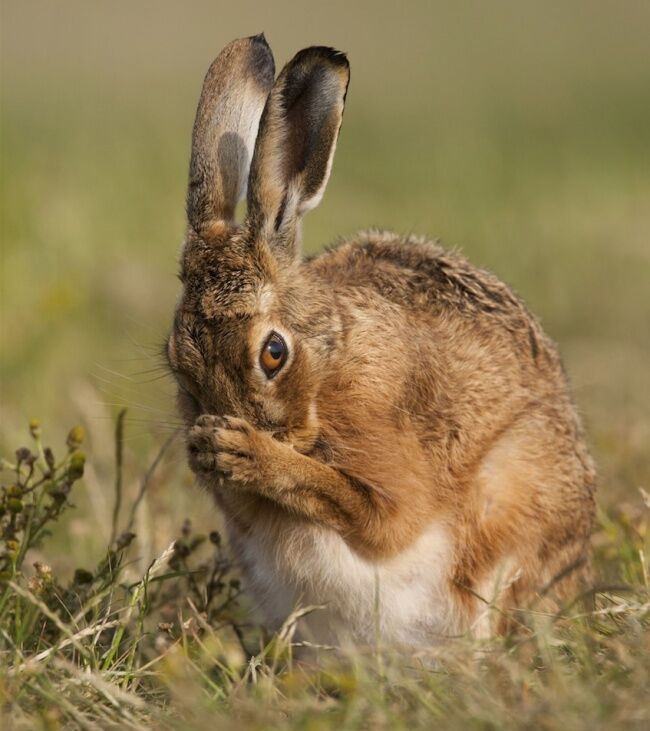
(174, 647)
(519, 134)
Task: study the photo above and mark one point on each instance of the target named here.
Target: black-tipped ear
(234, 93)
(296, 142)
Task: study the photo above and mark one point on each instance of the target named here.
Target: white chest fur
(404, 599)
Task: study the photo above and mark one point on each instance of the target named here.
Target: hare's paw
(234, 451)
(201, 444)
(242, 450)
(253, 458)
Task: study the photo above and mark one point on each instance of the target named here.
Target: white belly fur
(404, 599)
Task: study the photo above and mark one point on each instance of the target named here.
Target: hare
(386, 428)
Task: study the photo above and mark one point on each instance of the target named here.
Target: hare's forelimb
(233, 454)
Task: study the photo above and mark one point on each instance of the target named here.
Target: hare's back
(414, 271)
(441, 288)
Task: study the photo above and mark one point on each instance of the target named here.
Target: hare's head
(250, 335)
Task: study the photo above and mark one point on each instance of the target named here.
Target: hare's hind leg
(531, 509)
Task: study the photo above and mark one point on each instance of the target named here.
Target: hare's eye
(273, 355)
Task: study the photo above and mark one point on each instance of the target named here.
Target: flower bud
(81, 576)
(76, 466)
(75, 437)
(15, 505)
(215, 538)
(53, 490)
(124, 540)
(22, 454)
(15, 491)
(35, 428)
(49, 458)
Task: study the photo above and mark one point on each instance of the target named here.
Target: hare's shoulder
(414, 270)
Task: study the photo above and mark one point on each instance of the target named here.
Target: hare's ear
(234, 93)
(295, 145)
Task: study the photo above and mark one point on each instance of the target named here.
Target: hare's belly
(405, 599)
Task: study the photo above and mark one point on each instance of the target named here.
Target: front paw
(229, 448)
(201, 444)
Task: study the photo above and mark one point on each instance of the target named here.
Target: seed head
(36, 585)
(43, 571)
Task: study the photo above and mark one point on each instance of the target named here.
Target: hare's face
(247, 350)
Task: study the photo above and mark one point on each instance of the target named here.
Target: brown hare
(387, 429)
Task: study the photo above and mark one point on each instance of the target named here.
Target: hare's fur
(418, 458)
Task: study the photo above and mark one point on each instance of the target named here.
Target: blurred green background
(518, 132)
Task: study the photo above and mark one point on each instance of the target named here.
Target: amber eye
(274, 354)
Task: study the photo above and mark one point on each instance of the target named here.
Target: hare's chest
(405, 599)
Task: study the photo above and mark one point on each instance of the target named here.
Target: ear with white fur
(295, 145)
(232, 99)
